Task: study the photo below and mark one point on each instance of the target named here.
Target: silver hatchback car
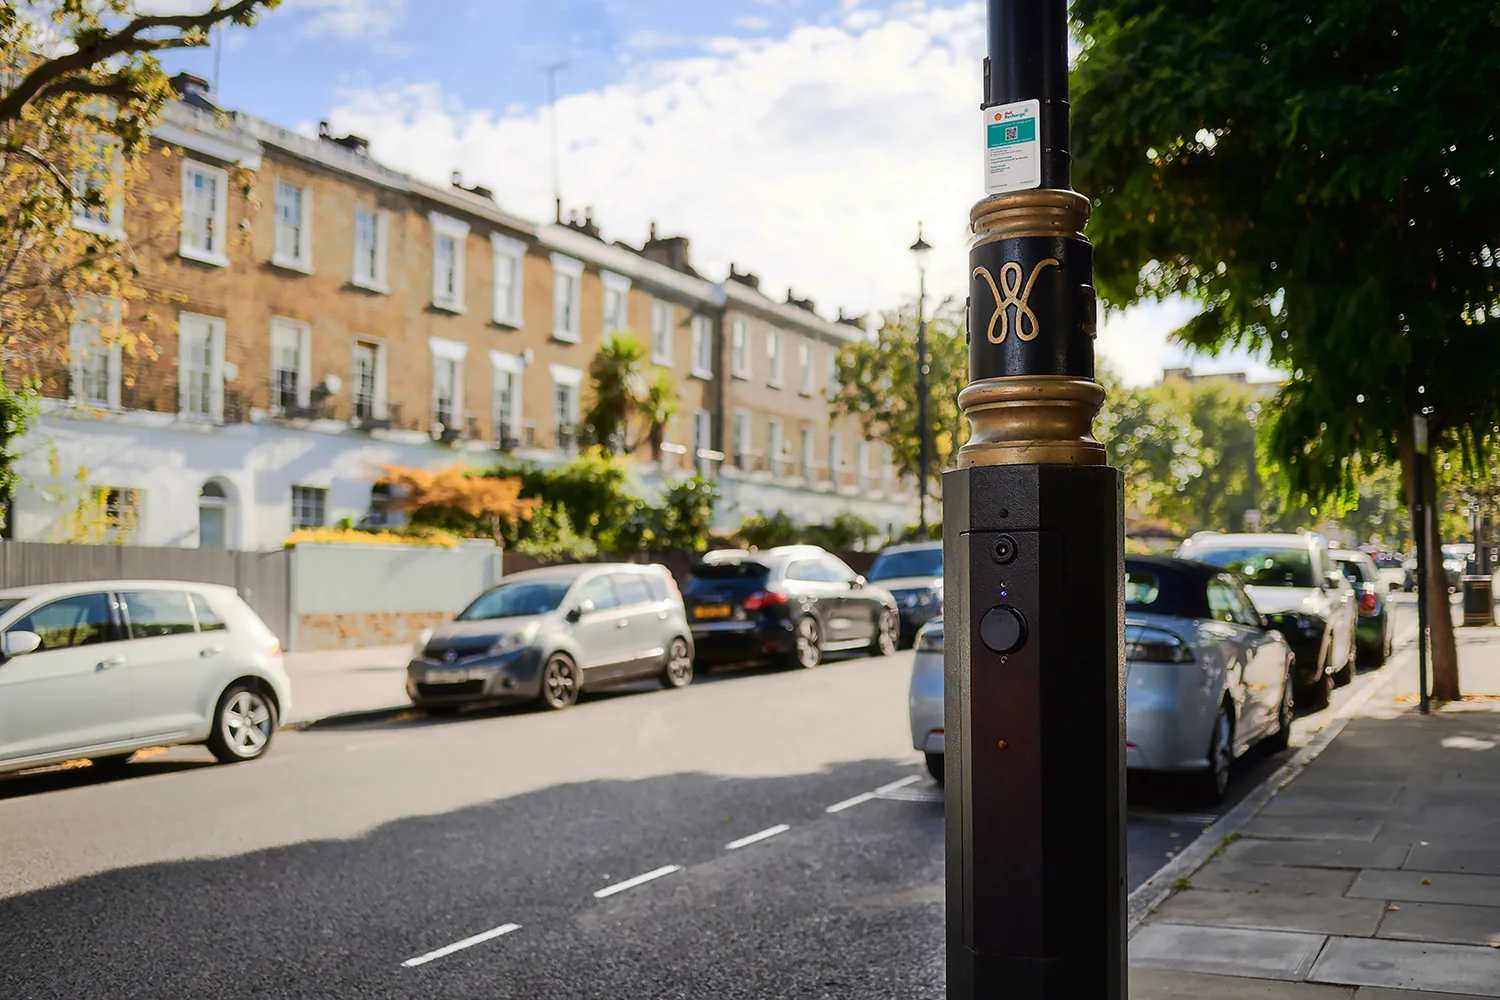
(545, 634)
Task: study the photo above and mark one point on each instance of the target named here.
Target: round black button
(1002, 629)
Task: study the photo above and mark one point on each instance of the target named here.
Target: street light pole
(920, 250)
(1032, 534)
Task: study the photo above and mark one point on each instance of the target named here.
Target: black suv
(789, 604)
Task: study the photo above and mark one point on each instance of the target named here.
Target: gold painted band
(1030, 213)
(1031, 420)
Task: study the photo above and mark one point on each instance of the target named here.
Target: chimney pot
(323, 131)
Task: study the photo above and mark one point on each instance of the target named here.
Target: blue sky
(804, 140)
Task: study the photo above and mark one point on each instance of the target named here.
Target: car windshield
(1261, 567)
(511, 600)
(1142, 588)
(907, 562)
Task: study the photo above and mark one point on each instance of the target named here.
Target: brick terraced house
(318, 315)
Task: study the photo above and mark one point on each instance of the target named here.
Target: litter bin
(1479, 604)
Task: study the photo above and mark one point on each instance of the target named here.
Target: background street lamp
(920, 251)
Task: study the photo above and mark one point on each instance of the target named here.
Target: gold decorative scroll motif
(1013, 295)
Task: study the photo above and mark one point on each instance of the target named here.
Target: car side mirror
(19, 643)
(573, 615)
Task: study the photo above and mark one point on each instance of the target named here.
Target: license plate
(711, 611)
(447, 676)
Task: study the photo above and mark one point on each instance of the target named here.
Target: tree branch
(115, 88)
(127, 40)
(47, 165)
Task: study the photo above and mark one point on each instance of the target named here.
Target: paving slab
(1297, 881)
(1311, 784)
(1446, 922)
(1469, 861)
(1282, 955)
(1427, 887)
(1313, 828)
(1410, 965)
(1154, 984)
(1317, 853)
(1275, 911)
(1454, 833)
(1310, 805)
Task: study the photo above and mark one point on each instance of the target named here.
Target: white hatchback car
(106, 668)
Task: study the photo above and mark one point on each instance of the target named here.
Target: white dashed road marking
(631, 883)
(468, 942)
(910, 779)
(756, 838)
(847, 803)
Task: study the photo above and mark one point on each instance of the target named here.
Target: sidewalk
(338, 681)
(1373, 875)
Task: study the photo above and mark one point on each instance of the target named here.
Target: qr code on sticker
(1012, 133)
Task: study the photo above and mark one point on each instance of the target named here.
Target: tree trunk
(1444, 657)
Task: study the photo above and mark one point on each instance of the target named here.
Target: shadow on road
(78, 774)
(840, 906)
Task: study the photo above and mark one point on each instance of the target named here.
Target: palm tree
(658, 406)
(616, 380)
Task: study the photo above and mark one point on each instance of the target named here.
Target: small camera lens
(1005, 549)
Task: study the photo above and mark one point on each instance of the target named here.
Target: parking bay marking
(756, 838)
(631, 883)
(468, 942)
(881, 792)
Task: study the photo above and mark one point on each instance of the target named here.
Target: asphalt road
(507, 854)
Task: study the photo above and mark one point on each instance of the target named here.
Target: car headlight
(419, 648)
(930, 640)
(512, 641)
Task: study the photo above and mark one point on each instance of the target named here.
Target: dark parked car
(913, 573)
(1376, 628)
(789, 604)
(546, 634)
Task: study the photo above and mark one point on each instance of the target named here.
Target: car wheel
(244, 723)
(560, 682)
(1213, 784)
(1345, 674)
(679, 669)
(887, 634)
(1285, 712)
(807, 650)
(935, 767)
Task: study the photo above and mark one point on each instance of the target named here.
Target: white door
(174, 670)
(73, 692)
(602, 629)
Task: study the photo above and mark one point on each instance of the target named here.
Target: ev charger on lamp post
(1033, 673)
(921, 250)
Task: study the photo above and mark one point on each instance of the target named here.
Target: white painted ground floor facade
(176, 482)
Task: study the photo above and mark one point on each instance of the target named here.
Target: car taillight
(1152, 645)
(1368, 602)
(275, 648)
(764, 599)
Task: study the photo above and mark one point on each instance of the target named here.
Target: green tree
(877, 383)
(765, 531)
(657, 408)
(617, 390)
(1243, 155)
(18, 408)
(1151, 438)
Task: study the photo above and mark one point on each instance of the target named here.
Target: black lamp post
(920, 251)
(1034, 672)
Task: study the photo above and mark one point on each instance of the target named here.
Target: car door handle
(113, 661)
(210, 651)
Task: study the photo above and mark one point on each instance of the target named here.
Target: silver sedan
(1207, 678)
(926, 700)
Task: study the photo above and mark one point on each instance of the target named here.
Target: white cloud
(808, 159)
(752, 22)
(349, 18)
